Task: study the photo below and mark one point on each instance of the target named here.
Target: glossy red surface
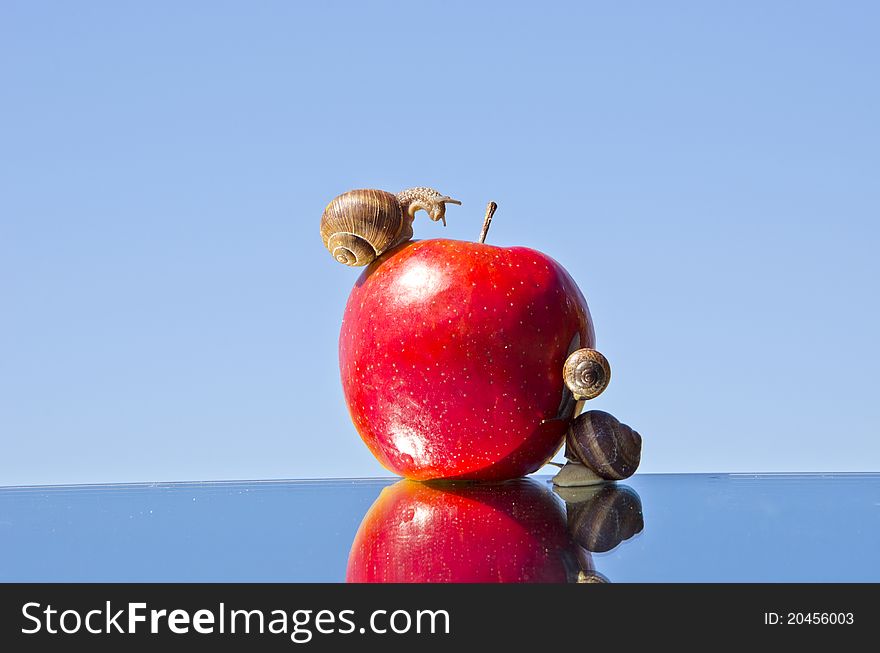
(451, 356)
(418, 533)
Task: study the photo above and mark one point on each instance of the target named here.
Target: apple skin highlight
(451, 356)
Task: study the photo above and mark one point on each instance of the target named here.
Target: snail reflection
(513, 532)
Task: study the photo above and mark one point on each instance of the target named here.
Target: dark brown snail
(601, 517)
(360, 225)
(609, 448)
(586, 373)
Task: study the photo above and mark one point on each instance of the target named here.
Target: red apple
(451, 356)
(514, 532)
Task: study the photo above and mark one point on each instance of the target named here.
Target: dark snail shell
(611, 449)
(360, 225)
(586, 373)
(601, 517)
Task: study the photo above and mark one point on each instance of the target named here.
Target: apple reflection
(513, 532)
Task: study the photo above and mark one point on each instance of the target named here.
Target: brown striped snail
(601, 442)
(361, 225)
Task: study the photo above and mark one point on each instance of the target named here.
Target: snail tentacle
(425, 199)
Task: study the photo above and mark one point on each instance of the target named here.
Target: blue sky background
(708, 172)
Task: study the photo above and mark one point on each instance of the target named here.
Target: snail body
(359, 226)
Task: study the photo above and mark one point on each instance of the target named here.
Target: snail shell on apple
(586, 373)
(360, 225)
(611, 449)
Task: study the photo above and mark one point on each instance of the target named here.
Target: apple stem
(490, 211)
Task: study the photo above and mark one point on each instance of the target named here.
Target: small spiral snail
(360, 225)
(609, 448)
(586, 373)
